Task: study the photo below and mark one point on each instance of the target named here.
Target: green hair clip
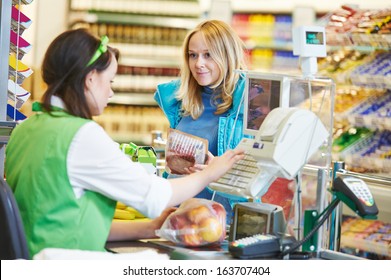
(101, 50)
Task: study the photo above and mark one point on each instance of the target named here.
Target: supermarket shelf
(370, 153)
(128, 137)
(189, 8)
(134, 19)
(143, 99)
(280, 6)
(156, 62)
(372, 113)
(366, 235)
(148, 55)
(286, 46)
(360, 41)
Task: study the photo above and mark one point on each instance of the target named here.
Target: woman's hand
(186, 187)
(218, 166)
(158, 222)
(133, 229)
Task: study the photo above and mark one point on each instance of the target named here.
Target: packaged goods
(183, 151)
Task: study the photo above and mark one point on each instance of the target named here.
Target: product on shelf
(370, 154)
(17, 2)
(17, 94)
(19, 21)
(132, 123)
(339, 64)
(348, 98)
(374, 112)
(349, 26)
(268, 38)
(19, 45)
(168, 8)
(375, 73)
(367, 235)
(18, 71)
(349, 137)
(361, 70)
(149, 35)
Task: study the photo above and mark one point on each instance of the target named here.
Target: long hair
(228, 51)
(64, 69)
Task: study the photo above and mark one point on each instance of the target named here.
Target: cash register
(287, 138)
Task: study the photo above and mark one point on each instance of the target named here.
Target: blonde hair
(228, 51)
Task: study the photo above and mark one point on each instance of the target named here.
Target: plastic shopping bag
(197, 222)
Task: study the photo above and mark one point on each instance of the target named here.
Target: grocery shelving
(283, 6)
(12, 46)
(268, 38)
(265, 28)
(367, 236)
(361, 68)
(149, 35)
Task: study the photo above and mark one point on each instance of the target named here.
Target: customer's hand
(199, 167)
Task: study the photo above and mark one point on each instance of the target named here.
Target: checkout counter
(293, 143)
(278, 150)
(174, 252)
(325, 251)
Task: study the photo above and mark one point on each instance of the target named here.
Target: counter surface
(217, 252)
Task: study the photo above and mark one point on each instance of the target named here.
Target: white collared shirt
(96, 163)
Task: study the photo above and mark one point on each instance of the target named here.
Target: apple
(198, 214)
(191, 236)
(220, 210)
(211, 229)
(178, 221)
(197, 222)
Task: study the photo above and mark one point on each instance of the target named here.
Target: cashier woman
(66, 172)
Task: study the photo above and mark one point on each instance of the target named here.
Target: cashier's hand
(218, 166)
(158, 222)
(199, 167)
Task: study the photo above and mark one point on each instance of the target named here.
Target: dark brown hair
(64, 69)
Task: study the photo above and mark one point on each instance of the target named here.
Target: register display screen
(263, 96)
(250, 222)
